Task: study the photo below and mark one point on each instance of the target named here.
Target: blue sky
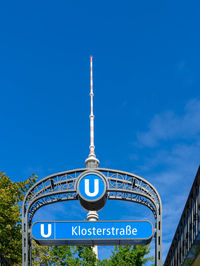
(146, 104)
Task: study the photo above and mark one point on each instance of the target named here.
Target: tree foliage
(11, 197)
(129, 255)
(63, 255)
(84, 256)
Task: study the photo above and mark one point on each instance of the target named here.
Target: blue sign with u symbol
(90, 233)
(91, 186)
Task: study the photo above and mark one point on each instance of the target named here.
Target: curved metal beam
(61, 187)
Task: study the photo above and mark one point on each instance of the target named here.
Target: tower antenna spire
(91, 161)
(91, 110)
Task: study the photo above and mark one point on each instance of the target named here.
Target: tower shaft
(91, 161)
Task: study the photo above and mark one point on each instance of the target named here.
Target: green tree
(84, 256)
(40, 254)
(11, 197)
(128, 255)
(63, 255)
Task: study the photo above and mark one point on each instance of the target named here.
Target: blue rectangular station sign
(93, 233)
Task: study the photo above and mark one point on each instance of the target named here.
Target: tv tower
(91, 161)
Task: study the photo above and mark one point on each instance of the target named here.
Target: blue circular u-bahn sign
(91, 187)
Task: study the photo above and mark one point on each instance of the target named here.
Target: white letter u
(42, 231)
(96, 188)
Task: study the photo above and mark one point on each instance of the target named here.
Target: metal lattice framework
(185, 240)
(62, 187)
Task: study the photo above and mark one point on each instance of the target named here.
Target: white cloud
(169, 125)
(179, 163)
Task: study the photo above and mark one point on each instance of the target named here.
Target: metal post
(158, 238)
(93, 216)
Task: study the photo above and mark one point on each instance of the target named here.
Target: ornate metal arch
(61, 187)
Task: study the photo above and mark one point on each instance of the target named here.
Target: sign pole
(93, 216)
